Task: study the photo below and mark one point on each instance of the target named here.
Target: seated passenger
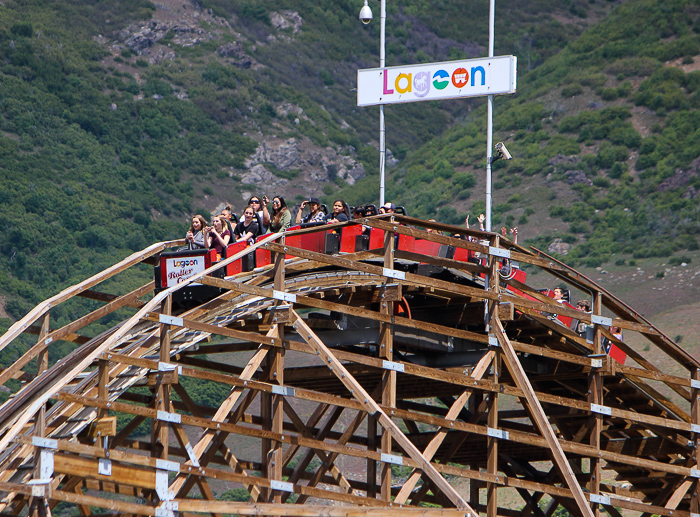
(358, 212)
(218, 236)
(583, 306)
(196, 238)
(261, 213)
(389, 208)
(436, 232)
(616, 332)
(341, 212)
(229, 219)
(247, 228)
(281, 217)
(315, 214)
(559, 295)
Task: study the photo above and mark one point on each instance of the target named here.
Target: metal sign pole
(382, 129)
(489, 123)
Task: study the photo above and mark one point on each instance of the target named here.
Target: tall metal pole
(382, 131)
(489, 123)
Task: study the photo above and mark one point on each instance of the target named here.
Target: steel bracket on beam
(390, 365)
(163, 486)
(166, 319)
(173, 418)
(191, 455)
(694, 383)
(499, 252)
(44, 443)
(497, 433)
(283, 486)
(40, 487)
(169, 367)
(601, 320)
(286, 391)
(392, 458)
(600, 499)
(104, 467)
(284, 297)
(603, 410)
(171, 466)
(393, 273)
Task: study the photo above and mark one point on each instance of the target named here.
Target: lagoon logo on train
(186, 263)
(419, 83)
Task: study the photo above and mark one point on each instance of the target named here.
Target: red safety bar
(263, 257)
(348, 236)
(376, 239)
(406, 242)
(236, 266)
(314, 241)
(462, 254)
(617, 354)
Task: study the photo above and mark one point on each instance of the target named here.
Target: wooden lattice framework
(478, 391)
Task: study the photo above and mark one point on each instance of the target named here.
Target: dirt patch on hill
(3, 312)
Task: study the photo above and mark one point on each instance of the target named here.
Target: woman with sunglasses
(281, 216)
(260, 209)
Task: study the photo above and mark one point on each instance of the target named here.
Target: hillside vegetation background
(107, 146)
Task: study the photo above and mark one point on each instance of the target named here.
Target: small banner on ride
(435, 81)
(178, 269)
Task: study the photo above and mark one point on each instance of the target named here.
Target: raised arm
(266, 213)
(301, 209)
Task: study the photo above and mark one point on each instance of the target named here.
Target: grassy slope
(106, 181)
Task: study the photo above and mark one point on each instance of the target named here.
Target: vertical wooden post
(492, 442)
(42, 365)
(371, 464)
(37, 505)
(386, 351)
(161, 430)
(276, 358)
(595, 396)
(474, 403)
(695, 416)
(103, 393)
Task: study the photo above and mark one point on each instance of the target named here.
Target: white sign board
(435, 81)
(178, 269)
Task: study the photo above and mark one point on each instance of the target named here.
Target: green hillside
(605, 138)
(120, 119)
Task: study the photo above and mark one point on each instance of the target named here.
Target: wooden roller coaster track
(380, 382)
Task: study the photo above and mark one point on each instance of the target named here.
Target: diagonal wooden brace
(538, 415)
(359, 393)
(440, 436)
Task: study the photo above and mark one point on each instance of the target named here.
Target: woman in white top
(196, 235)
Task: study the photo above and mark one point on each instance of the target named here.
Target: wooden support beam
(386, 352)
(223, 411)
(595, 396)
(538, 415)
(160, 433)
(359, 393)
(695, 415)
(492, 315)
(479, 370)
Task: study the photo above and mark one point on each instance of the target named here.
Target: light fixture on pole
(366, 17)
